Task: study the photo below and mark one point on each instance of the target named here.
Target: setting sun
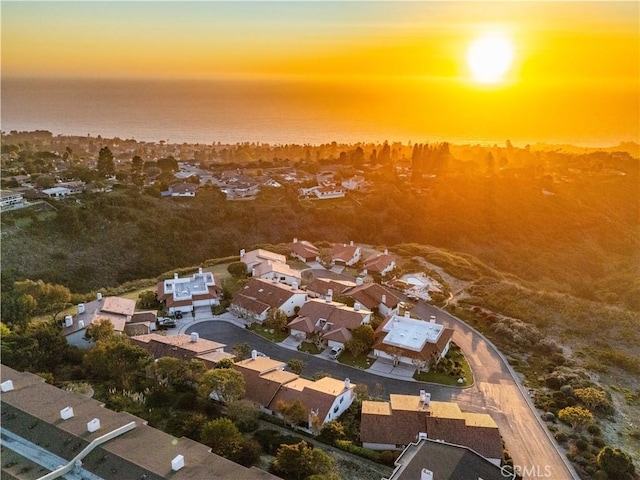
(489, 58)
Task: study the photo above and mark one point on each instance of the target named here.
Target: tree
(118, 363)
(106, 166)
(222, 436)
(295, 365)
(177, 374)
(276, 319)
(237, 269)
(50, 297)
(577, 417)
(17, 308)
(365, 334)
(332, 431)
(355, 346)
(249, 453)
(300, 461)
(241, 350)
(100, 330)
(148, 299)
(45, 181)
(591, 397)
(168, 164)
(244, 413)
(293, 413)
(223, 384)
(616, 463)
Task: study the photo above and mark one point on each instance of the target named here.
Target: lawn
(445, 379)
(269, 333)
(361, 361)
(309, 347)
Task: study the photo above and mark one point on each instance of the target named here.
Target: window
(341, 399)
(335, 409)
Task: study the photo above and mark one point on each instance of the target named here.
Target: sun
(489, 58)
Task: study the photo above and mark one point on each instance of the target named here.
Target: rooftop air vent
(66, 413)
(177, 463)
(6, 386)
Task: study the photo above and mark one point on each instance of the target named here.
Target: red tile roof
(370, 295)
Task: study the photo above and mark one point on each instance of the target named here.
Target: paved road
(494, 392)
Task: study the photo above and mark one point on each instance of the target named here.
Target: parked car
(335, 352)
(165, 322)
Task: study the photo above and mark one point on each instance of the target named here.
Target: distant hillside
(575, 232)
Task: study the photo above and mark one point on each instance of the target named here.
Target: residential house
(304, 251)
(72, 431)
(323, 287)
(268, 385)
(57, 192)
(184, 294)
(354, 183)
(183, 190)
(75, 187)
(374, 296)
(117, 310)
(328, 321)
(254, 257)
(12, 200)
(254, 300)
(407, 340)
(185, 347)
(432, 460)
(345, 255)
(330, 191)
(380, 263)
(405, 419)
(278, 272)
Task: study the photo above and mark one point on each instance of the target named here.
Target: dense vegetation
(581, 240)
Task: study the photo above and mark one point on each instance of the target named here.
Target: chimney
(356, 306)
(432, 319)
(427, 399)
(93, 425)
(99, 296)
(195, 337)
(359, 281)
(295, 240)
(384, 299)
(407, 314)
(347, 383)
(200, 270)
(422, 436)
(81, 324)
(175, 276)
(253, 272)
(68, 320)
(80, 308)
(6, 386)
(242, 252)
(294, 285)
(351, 243)
(66, 413)
(177, 463)
(386, 252)
(254, 354)
(423, 395)
(426, 474)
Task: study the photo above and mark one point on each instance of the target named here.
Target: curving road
(495, 390)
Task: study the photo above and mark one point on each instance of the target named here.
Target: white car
(335, 352)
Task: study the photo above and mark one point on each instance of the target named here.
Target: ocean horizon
(235, 111)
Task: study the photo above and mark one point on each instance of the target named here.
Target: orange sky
(574, 62)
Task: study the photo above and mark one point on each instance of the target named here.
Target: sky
(573, 62)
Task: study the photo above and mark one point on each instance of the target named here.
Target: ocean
(308, 111)
(193, 111)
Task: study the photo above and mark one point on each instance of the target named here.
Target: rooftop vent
(422, 436)
(177, 463)
(81, 308)
(80, 324)
(359, 281)
(66, 413)
(93, 425)
(357, 306)
(6, 386)
(426, 474)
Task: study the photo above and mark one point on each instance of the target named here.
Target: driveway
(494, 392)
